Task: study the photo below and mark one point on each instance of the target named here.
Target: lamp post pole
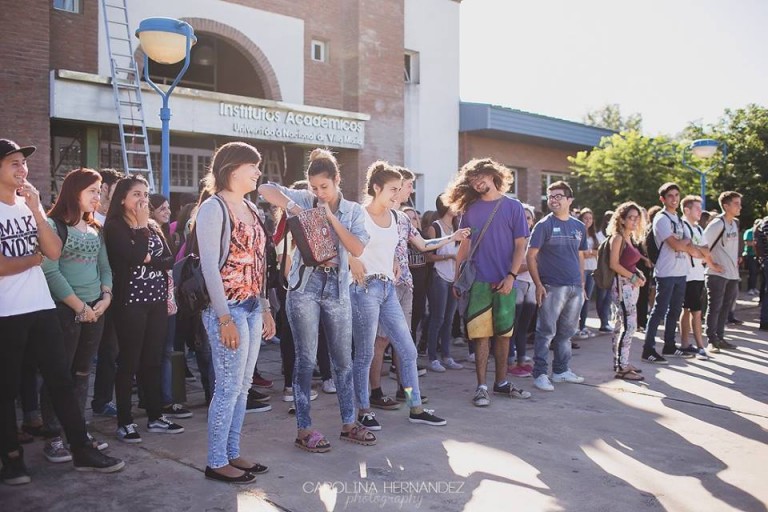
(172, 27)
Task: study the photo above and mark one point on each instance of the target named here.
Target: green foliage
(610, 117)
(629, 167)
(745, 131)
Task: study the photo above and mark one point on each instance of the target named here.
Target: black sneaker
(653, 357)
(254, 406)
(400, 396)
(690, 349)
(676, 352)
(162, 426)
(727, 345)
(256, 396)
(188, 375)
(368, 420)
(88, 458)
(176, 411)
(427, 418)
(14, 470)
(421, 370)
(128, 433)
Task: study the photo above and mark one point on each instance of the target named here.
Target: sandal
(314, 442)
(629, 375)
(633, 369)
(359, 435)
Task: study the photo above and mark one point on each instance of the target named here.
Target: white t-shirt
(446, 269)
(99, 217)
(379, 255)
(28, 291)
(725, 251)
(590, 264)
(696, 270)
(671, 263)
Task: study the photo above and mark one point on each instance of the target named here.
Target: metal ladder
(126, 89)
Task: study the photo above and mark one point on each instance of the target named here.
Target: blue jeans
(670, 293)
(234, 369)
(166, 377)
(603, 305)
(320, 300)
(375, 304)
(589, 287)
(557, 321)
(442, 307)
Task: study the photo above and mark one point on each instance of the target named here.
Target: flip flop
(314, 442)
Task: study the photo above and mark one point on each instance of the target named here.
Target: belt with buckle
(381, 277)
(326, 269)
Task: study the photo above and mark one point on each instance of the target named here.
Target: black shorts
(694, 295)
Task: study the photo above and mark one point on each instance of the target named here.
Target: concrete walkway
(693, 436)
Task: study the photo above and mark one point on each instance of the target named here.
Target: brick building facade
(361, 75)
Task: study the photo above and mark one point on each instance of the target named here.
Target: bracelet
(107, 292)
(81, 315)
(510, 273)
(225, 323)
(634, 279)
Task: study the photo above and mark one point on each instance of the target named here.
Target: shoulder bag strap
(485, 228)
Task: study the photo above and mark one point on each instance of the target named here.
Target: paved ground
(692, 437)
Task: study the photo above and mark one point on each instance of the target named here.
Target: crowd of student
(93, 277)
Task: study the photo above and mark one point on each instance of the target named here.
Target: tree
(610, 117)
(628, 167)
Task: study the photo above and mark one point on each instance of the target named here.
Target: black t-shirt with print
(147, 284)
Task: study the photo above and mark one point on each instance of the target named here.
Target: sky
(672, 61)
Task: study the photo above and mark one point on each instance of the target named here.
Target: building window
(319, 51)
(67, 5)
(411, 68)
(512, 192)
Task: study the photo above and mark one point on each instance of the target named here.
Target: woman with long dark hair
(140, 259)
(160, 212)
(232, 241)
(80, 282)
(590, 265)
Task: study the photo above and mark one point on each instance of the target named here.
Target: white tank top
(379, 255)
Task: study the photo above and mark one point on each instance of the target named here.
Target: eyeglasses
(557, 197)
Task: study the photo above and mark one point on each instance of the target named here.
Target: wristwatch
(510, 273)
(290, 205)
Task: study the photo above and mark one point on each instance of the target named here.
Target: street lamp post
(705, 149)
(166, 41)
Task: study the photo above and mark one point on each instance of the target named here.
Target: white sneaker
(329, 387)
(471, 358)
(581, 335)
(449, 363)
(435, 366)
(567, 376)
(543, 383)
(458, 341)
(288, 394)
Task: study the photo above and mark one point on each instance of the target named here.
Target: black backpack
(651, 247)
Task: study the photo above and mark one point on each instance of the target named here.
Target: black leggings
(141, 332)
(40, 333)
